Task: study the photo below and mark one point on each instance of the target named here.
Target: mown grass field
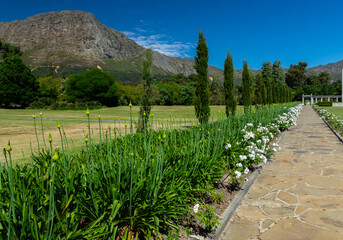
(17, 125)
(338, 111)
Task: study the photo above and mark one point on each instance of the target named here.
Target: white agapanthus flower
(250, 124)
(246, 170)
(239, 165)
(196, 207)
(238, 174)
(227, 146)
(243, 157)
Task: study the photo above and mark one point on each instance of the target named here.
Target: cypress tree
(278, 78)
(259, 89)
(202, 95)
(264, 94)
(246, 94)
(145, 108)
(229, 86)
(267, 76)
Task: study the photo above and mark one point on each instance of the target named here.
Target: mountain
(335, 69)
(73, 41)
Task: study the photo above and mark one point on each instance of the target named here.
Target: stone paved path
(299, 194)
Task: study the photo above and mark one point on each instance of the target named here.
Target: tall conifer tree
(202, 95)
(246, 82)
(229, 86)
(259, 90)
(267, 77)
(278, 78)
(145, 108)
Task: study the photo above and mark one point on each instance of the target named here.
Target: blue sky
(256, 31)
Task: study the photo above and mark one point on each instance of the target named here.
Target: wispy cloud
(161, 43)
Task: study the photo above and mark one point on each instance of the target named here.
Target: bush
(93, 85)
(325, 104)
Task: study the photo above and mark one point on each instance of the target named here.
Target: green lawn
(338, 111)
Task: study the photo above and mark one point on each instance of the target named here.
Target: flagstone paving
(299, 194)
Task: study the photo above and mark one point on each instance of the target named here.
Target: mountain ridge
(74, 41)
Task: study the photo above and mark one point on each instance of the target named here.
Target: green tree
(324, 77)
(267, 77)
(246, 92)
(202, 95)
(229, 86)
(93, 85)
(295, 77)
(145, 108)
(8, 50)
(18, 86)
(259, 90)
(278, 77)
(187, 94)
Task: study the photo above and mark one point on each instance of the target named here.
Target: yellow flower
(130, 104)
(41, 114)
(87, 112)
(50, 138)
(8, 148)
(55, 157)
(58, 124)
(33, 116)
(99, 116)
(86, 138)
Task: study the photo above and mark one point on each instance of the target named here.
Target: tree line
(20, 88)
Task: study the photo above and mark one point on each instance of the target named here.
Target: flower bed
(139, 185)
(331, 119)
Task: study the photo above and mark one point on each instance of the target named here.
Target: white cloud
(160, 43)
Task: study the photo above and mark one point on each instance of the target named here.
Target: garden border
(333, 130)
(230, 210)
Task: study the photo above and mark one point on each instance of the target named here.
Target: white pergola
(314, 98)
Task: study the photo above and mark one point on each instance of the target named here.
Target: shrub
(325, 104)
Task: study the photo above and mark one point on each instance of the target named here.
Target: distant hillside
(335, 69)
(73, 41)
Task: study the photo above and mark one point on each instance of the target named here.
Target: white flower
(246, 179)
(242, 157)
(239, 165)
(196, 207)
(227, 146)
(238, 174)
(246, 170)
(250, 124)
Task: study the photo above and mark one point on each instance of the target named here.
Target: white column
(303, 99)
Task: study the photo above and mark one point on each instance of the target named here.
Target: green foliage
(8, 50)
(18, 86)
(295, 77)
(267, 77)
(260, 94)
(278, 79)
(93, 85)
(202, 95)
(229, 86)
(187, 94)
(246, 91)
(324, 77)
(145, 108)
(325, 104)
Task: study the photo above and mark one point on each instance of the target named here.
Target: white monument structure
(315, 98)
